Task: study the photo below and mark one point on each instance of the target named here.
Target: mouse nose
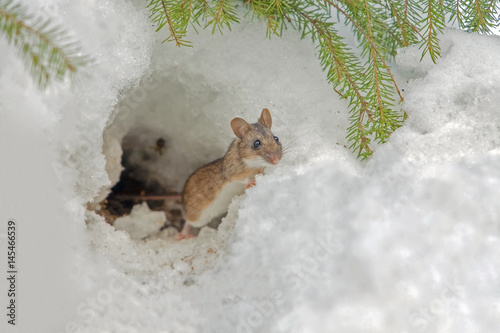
(273, 159)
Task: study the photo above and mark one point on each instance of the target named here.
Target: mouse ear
(240, 127)
(265, 118)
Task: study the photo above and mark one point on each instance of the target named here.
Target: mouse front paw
(251, 183)
(181, 236)
(185, 233)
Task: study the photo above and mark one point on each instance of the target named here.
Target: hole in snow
(138, 182)
(161, 132)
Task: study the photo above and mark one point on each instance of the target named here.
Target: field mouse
(210, 189)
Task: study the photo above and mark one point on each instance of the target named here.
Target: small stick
(163, 197)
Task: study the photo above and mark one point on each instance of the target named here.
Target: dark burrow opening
(137, 184)
(156, 137)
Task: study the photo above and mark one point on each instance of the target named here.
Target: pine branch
(46, 49)
(223, 14)
(381, 28)
(273, 12)
(406, 17)
(178, 15)
(375, 60)
(368, 40)
(173, 14)
(433, 25)
(378, 81)
(475, 15)
(343, 71)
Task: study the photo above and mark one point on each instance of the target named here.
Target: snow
(141, 223)
(407, 241)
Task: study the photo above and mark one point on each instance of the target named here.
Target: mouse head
(258, 146)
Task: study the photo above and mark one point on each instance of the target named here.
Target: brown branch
(429, 43)
(411, 25)
(190, 9)
(399, 24)
(173, 33)
(460, 21)
(163, 197)
(480, 16)
(375, 68)
(220, 10)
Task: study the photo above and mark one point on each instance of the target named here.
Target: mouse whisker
(286, 146)
(258, 162)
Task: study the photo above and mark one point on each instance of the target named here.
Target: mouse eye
(256, 144)
(276, 139)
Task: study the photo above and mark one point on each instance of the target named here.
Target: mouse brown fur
(210, 189)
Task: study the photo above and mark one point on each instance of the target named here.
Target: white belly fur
(220, 204)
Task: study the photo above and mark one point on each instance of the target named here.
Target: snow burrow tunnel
(159, 133)
(177, 118)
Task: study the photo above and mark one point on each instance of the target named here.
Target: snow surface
(405, 242)
(141, 223)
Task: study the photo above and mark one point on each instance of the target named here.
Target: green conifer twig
(475, 15)
(46, 48)
(433, 25)
(381, 27)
